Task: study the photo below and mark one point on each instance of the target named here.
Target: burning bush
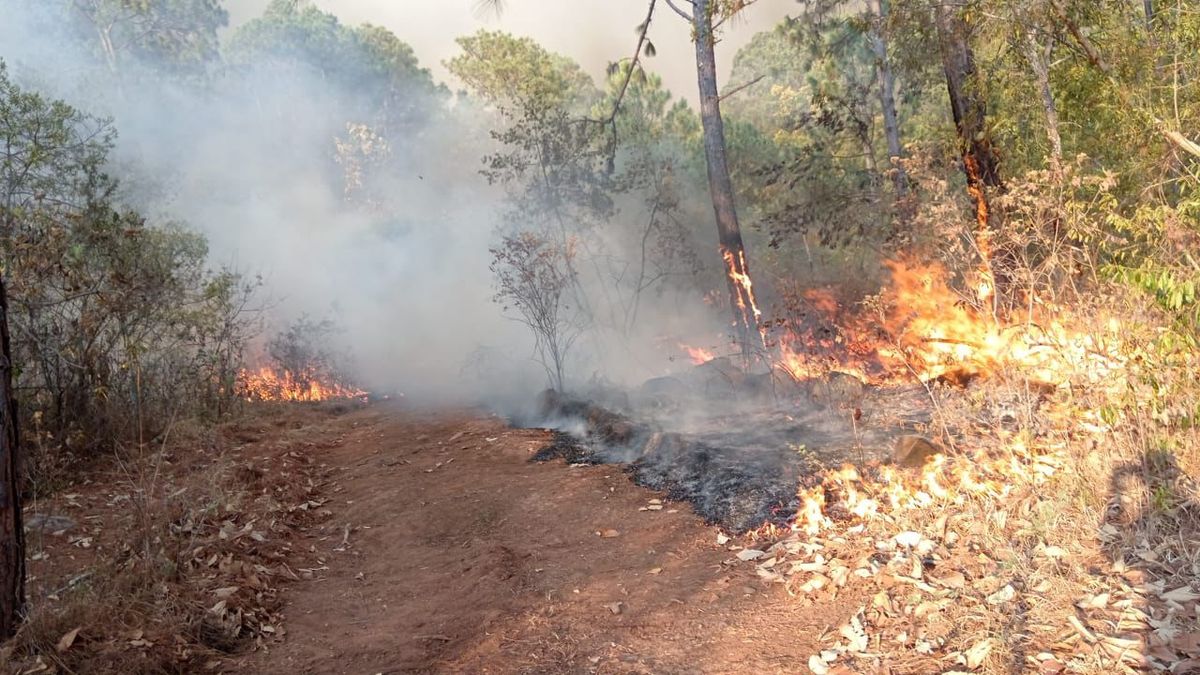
(304, 367)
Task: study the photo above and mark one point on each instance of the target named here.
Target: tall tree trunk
(12, 534)
(887, 93)
(970, 115)
(1036, 54)
(733, 251)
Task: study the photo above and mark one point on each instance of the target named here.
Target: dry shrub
(1056, 532)
(192, 547)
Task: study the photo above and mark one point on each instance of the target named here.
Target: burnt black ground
(737, 458)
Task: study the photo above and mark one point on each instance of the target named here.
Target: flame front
(266, 384)
(920, 327)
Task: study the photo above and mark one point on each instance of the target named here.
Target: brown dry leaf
(928, 608)
(1181, 595)
(65, 642)
(771, 576)
(954, 580)
(1055, 552)
(816, 583)
(748, 554)
(1051, 666)
(608, 534)
(840, 576)
(978, 653)
(855, 635)
(883, 601)
(1093, 602)
(1003, 595)
(656, 570)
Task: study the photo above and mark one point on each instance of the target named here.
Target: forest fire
(697, 355)
(742, 292)
(920, 328)
(266, 384)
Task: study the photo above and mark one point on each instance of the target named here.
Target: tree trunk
(970, 114)
(887, 93)
(733, 251)
(12, 534)
(966, 103)
(1037, 57)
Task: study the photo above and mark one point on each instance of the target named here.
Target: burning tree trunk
(887, 93)
(733, 251)
(12, 535)
(970, 114)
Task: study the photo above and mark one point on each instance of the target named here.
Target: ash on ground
(736, 445)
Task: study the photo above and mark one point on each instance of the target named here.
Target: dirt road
(449, 551)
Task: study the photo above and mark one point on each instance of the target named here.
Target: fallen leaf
(1003, 595)
(748, 554)
(1181, 595)
(614, 607)
(951, 580)
(978, 653)
(65, 642)
(608, 534)
(1055, 552)
(656, 570)
(1093, 602)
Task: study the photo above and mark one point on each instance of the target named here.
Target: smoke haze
(592, 32)
(248, 160)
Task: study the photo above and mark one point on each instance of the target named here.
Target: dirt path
(449, 551)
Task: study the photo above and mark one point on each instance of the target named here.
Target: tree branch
(1097, 60)
(687, 17)
(741, 86)
(720, 22)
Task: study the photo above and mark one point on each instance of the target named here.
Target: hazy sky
(593, 32)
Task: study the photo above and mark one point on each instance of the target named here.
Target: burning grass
(1051, 532)
(279, 384)
(1048, 523)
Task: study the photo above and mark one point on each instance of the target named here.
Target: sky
(593, 32)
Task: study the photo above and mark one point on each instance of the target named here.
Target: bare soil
(448, 550)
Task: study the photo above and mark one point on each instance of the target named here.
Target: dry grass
(1057, 534)
(178, 554)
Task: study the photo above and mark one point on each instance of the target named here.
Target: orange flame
(739, 275)
(265, 384)
(925, 329)
(698, 355)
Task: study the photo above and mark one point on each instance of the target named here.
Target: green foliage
(173, 35)
(367, 63)
(512, 72)
(118, 326)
